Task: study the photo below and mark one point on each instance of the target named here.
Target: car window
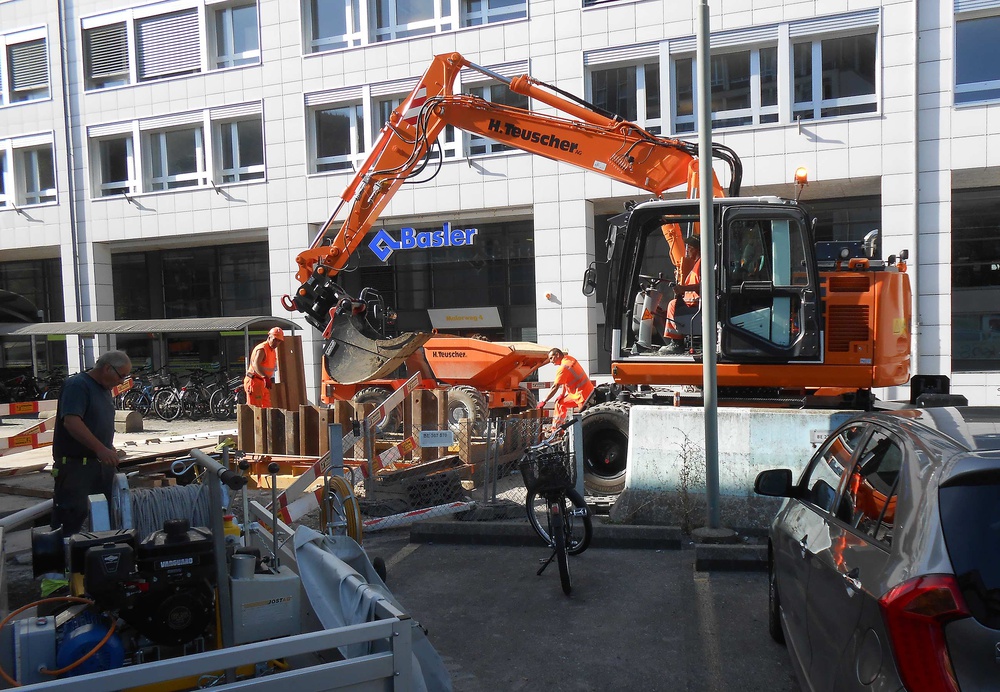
(970, 519)
(822, 477)
(868, 499)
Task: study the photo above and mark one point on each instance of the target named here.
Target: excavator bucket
(352, 356)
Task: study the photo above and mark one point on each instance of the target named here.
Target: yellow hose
(353, 513)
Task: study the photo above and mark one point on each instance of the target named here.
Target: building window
(500, 94)
(176, 159)
(241, 148)
(236, 36)
(834, 76)
(169, 45)
(633, 92)
(339, 137)
(38, 175)
(4, 186)
(744, 89)
(115, 166)
(478, 12)
(27, 70)
(333, 24)
(975, 276)
(447, 141)
(407, 18)
(977, 60)
(105, 56)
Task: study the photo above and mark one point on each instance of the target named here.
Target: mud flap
(352, 356)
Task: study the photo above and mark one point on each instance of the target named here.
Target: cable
(55, 599)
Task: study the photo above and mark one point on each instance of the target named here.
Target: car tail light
(915, 613)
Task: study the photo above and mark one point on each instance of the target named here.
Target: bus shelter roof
(162, 326)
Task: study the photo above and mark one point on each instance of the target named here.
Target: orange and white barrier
(22, 407)
(388, 458)
(36, 436)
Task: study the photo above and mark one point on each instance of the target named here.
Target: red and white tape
(388, 458)
(406, 518)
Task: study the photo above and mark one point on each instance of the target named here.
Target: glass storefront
(40, 281)
(496, 269)
(975, 280)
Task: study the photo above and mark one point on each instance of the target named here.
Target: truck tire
(467, 402)
(605, 447)
(393, 421)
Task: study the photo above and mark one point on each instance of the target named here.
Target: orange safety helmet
(278, 333)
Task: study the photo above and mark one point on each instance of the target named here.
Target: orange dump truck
(483, 378)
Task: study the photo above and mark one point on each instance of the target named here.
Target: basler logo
(383, 244)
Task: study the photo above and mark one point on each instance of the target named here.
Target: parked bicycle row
(199, 394)
(27, 387)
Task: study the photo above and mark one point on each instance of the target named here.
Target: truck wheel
(605, 447)
(393, 422)
(467, 402)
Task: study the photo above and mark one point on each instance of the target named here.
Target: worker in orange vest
(572, 380)
(687, 300)
(263, 362)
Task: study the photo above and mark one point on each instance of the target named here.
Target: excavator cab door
(768, 285)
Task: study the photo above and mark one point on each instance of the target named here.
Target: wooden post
(260, 436)
(324, 418)
(291, 432)
(245, 438)
(276, 430)
(465, 441)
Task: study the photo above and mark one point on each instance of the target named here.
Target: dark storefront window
(40, 281)
(223, 281)
(496, 270)
(975, 278)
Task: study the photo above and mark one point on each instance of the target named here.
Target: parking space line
(708, 630)
(400, 555)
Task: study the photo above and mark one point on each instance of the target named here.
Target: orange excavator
(799, 324)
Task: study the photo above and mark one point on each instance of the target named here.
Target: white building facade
(171, 159)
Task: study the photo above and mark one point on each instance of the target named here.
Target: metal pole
(708, 307)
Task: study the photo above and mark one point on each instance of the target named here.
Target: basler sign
(383, 244)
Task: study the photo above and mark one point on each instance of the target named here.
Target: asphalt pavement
(638, 619)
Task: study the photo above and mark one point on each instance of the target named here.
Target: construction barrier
(20, 408)
(36, 436)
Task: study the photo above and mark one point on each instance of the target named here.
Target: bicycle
(553, 503)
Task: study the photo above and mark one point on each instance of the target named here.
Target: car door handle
(852, 579)
(802, 545)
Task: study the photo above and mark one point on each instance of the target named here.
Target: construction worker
(682, 308)
(263, 362)
(572, 380)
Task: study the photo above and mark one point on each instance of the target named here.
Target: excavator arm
(584, 136)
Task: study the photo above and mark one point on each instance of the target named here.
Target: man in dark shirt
(84, 459)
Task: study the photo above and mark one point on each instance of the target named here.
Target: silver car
(885, 556)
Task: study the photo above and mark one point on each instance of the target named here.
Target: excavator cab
(765, 275)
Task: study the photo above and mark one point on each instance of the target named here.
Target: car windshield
(970, 517)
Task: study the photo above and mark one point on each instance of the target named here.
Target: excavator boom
(586, 137)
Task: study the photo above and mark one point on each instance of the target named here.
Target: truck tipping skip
(795, 328)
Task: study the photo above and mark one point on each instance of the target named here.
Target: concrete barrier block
(128, 421)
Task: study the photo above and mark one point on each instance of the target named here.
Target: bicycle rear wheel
(556, 510)
(577, 519)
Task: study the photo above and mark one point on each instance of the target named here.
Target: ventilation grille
(859, 283)
(846, 324)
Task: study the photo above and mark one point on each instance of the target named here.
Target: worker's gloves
(541, 404)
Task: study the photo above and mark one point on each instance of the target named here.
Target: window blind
(106, 50)
(168, 44)
(29, 67)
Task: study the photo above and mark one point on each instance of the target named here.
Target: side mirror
(774, 483)
(590, 280)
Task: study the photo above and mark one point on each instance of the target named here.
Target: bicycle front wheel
(556, 517)
(579, 524)
(167, 405)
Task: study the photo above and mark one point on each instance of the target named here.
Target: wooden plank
(309, 430)
(291, 435)
(259, 431)
(427, 410)
(245, 438)
(290, 393)
(275, 430)
(428, 467)
(324, 418)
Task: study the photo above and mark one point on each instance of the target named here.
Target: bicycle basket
(549, 469)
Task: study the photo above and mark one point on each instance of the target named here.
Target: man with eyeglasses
(84, 458)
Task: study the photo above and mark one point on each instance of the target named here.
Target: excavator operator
(261, 366)
(685, 305)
